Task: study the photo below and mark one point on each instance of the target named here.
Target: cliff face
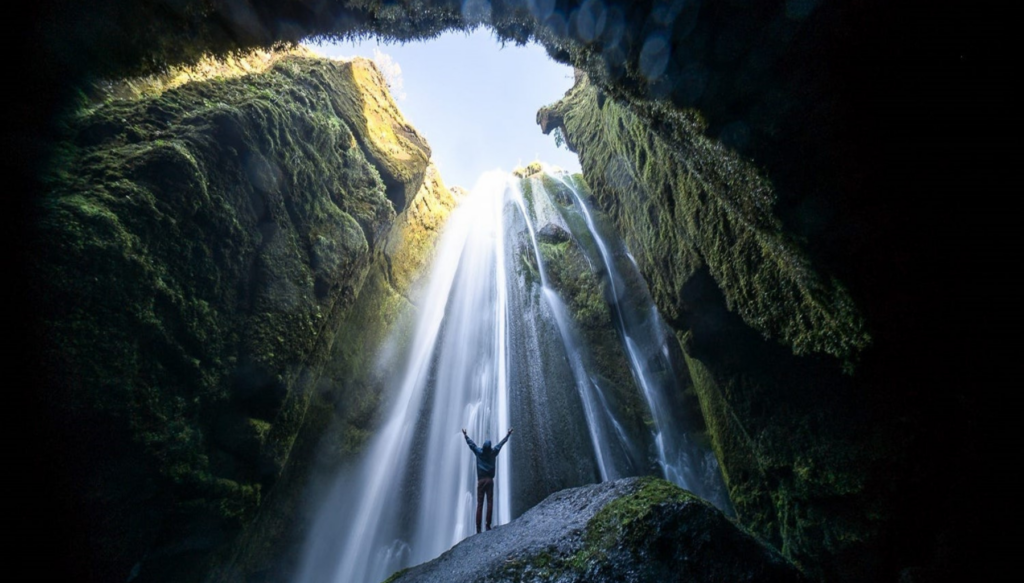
(802, 408)
(686, 203)
(203, 253)
(744, 299)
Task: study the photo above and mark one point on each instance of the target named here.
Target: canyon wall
(220, 262)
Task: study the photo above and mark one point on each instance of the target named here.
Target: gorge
(214, 272)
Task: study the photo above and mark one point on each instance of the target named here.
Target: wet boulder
(552, 233)
(635, 529)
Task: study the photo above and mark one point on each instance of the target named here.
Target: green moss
(694, 214)
(611, 528)
(622, 525)
(394, 576)
(531, 169)
(570, 273)
(199, 248)
(684, 202)
(796, 478)
(558, 191)
(527, 187)
(580, 182)
(353, 362)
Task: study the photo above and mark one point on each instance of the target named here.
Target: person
(485, 465)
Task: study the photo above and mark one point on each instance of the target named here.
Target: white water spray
(681, 463)
(411, 496)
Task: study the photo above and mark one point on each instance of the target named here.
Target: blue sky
(474, 101)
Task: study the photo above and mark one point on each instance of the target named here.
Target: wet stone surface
(635, 529)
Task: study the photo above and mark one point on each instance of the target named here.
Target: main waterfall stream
(534, 317)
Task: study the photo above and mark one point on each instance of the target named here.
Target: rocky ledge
(630, 530)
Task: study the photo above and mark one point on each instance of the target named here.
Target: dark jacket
(485, 457)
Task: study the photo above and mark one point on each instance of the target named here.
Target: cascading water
(411, 496)
(643, 335)
(495, 345)
(598, 417)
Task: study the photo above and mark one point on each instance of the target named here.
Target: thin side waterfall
(497, 345)
(643, 336)
(598, 417)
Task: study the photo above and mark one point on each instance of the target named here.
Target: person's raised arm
(470, 443)
(497, 448)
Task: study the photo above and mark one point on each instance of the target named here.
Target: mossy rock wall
(370, 343)
(208, 255)
(766, 335)
(684, 202)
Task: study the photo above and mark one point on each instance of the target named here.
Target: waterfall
(598, 417)
(412, 495)
(495, 345)
(643, 335)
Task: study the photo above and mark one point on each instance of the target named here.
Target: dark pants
(484, 487)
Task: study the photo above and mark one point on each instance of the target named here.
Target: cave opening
(473, 97)
(858, 112)
(609, 379)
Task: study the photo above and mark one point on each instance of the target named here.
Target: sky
(475, 102)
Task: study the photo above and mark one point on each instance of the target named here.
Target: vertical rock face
(804, 412)
(370, 340)
(744, 299)
(686, 203)
(199, 253)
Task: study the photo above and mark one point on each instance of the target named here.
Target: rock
(554, 234)
(411, 243)
(549, 118)
(201, 245)
(691, 203)
(394, 146)
(630, 530)
(531, 169)
(809, 409)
